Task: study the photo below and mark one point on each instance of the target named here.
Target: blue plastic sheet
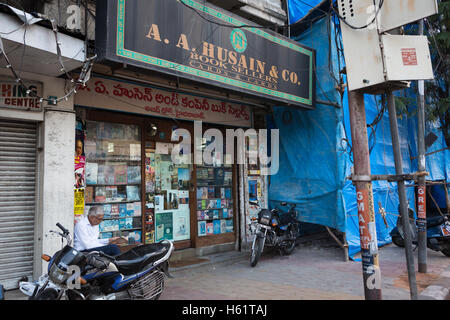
(312, 166)
(385, 194)
(298, 9)
(314, 158)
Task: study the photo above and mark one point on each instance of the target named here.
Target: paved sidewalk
(310, 273)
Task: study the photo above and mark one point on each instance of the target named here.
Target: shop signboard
(131, 97)
(15, 96)
(200, 42)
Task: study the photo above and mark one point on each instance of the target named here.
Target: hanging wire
(377, 11)
(230, 25)
(83, 77)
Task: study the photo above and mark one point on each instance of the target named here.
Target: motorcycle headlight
(58, 275)
(265, 217)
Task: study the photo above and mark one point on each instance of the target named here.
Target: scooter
(271, 228)
(137, 274)
(438, 233)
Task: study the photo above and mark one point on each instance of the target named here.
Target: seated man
(87, 231)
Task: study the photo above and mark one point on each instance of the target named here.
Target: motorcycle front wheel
(46, 294)
(256, 250)
(290, 246)
(446, 250)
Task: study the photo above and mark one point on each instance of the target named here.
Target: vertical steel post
(421, 189)
(447, 198)
(366, 215)
(402, 195)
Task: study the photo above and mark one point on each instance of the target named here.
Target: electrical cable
(81, 81)
(270, 26)
(380, 5)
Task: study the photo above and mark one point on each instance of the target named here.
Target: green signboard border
(133, 55)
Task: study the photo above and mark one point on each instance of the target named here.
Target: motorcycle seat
(284, 219)
(139, 257)
(435, 221)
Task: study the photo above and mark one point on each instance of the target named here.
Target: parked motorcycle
(438, 233)
(272, 228)
(137, 274)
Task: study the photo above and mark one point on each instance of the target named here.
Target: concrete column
(56, 187)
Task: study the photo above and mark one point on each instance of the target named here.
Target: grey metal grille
(17, 200)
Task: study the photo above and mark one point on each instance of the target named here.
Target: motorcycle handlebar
(64, 230)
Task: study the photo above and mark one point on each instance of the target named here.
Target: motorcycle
(137, 274)
(271, 228)
(438, 233)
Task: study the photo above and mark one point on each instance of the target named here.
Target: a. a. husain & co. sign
(170, 36)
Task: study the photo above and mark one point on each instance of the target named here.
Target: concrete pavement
(312, 272)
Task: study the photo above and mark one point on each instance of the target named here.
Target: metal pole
(288, 19)
(447, 199)
(402, 196)
(366, 214)
(421, 189)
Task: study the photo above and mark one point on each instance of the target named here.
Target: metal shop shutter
(17, 200)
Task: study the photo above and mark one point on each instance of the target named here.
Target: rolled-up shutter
(17, 200)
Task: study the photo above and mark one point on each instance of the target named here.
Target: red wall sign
(130, 97)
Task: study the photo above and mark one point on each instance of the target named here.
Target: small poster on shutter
(78, 202)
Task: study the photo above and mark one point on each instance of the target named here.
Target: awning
(32, 48)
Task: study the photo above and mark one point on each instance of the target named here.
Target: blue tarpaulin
(315, 158)
(299, 9)
(312, 168)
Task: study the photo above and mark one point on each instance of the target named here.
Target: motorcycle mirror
(46, 257)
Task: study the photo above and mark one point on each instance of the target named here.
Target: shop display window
(113, 178)
(214, 197)
(167, 211)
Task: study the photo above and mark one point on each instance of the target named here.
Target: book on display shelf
(114, 210)
(107, 210)
(91, 170)
(100, 194)
(120, 174)
(134, 175)
(137, 209)
(111, 193)
(130, 209)
(89, 194)
(133, 193)
(216, 226)
(229, 225)
(224, 213)
(100, 174)
(202, 228)
(223, 226)
(122, 210)
(209, 228)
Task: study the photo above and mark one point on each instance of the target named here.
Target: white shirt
(86, 236)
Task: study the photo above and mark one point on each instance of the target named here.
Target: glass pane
(167, 212)
(214, 197)
(113, 178)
